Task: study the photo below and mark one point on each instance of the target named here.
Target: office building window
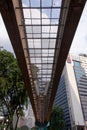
(77, 63)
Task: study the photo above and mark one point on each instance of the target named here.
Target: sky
(4, 39)
(79, 44)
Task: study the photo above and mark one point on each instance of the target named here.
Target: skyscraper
(72, 92)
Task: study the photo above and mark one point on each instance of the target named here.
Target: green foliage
(12, 89)
(56, 121)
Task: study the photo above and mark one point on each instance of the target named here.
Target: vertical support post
(42, 126)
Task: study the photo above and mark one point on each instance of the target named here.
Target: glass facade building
(71, 95)
(61, 100)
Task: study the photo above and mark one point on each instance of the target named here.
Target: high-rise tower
(72, 92)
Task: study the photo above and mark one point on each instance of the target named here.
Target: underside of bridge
(41, 44)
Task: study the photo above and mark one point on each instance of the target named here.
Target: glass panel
(30, 43)
(51, 54)
(44, 52)
(53, 29)
(32, 60)
(36, 21)
(53, 35)
(38, 60)
(49, 72)
(44, 59)
(43, 71)
(44, 66)
(37, 35)
(46, 3)
(50, 61)
(45, 19)
(46, 13)
(25, 2)
(31, 50)
(48, 79)
(45, 28)
(45, 43)
(51, 51)
(57, 3)
(54, 20)
(35, 13)
(36, 29)
(37, 54)
(26, 13)
(55, 13)
(37, 43)
(28, 29)
(29, 35)
(52, 43)
(35, 3)
(27, 21)
(50, 66)
(31, 55)
(45, 35)
(45, 79)
(37, 51)
(50, 58)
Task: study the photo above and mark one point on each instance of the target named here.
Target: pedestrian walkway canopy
(41, 34)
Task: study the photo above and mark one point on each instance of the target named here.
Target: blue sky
(36, 3)
(79, 44)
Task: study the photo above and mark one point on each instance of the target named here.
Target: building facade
(28, 120)
(72, 92)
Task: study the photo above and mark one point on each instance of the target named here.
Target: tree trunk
(11, 126)
(8, 126)
(16, 122)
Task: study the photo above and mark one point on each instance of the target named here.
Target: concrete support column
(42, 126)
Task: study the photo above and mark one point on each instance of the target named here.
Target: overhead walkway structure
(41, 35)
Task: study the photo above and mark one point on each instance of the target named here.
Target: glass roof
(41, 19)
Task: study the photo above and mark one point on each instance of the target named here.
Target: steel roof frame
(12, 13)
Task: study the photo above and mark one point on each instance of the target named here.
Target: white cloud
(79, 44)
(4, 39)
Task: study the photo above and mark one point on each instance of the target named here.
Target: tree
(56, 121)
(13, 95)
